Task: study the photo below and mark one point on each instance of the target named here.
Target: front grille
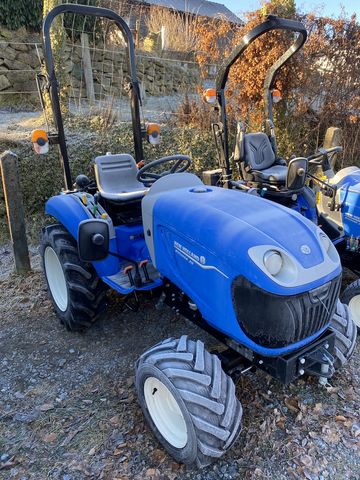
(275, 321)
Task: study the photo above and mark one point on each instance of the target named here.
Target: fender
(68, 210)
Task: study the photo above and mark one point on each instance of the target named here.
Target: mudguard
(68, 210)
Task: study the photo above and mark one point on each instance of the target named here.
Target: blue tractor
(259, 277)
(307, 185)
(338, 201)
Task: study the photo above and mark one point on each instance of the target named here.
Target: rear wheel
(351, 296)
(77, 293)
(345, 331)
(188, 400)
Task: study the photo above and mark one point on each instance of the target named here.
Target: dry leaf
(299, 417)
(118, 450)
(340, 418)
(281, 423)
(306, 460)
(51, 437)
(46, 407)
(115, 420)
(292, 404)
(92, 451)
(158, 455)
(151, 472)
(331, 437)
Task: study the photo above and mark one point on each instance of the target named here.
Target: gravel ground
(68, 407)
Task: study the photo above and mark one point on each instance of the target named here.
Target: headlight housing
(276, 263)
(273, 262)
(328, 246)
(325, 240)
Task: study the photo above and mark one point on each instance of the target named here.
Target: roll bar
(54, 87)
(271, 23)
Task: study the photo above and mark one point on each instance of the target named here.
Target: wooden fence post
(15, 211)
(86, 58)
(333, 138)
(164, 38)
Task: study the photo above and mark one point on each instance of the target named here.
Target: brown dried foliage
(320, 85)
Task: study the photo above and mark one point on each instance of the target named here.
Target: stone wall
(19, 62)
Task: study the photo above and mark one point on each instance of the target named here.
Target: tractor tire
(77, 293)
(351, 296)
(188, 400)
(345, 330)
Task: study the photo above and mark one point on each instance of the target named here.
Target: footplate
(124, 280)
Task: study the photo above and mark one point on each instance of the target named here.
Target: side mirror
(296, 176)
(209, 96)
(93, 240)
(40, 141)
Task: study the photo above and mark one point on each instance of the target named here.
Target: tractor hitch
(319, 363)
(314, 359)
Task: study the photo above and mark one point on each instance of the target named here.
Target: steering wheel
(317, 158)
(181, 163)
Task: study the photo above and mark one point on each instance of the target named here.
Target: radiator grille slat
(276, 321)
(318, 314)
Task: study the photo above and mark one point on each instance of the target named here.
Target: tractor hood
(348, 178)
(229, 232)
(348, 196)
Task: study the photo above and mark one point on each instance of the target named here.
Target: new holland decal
(194, 259)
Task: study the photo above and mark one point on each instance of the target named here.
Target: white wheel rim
(354, 306)
(165, 412)
(56, 279)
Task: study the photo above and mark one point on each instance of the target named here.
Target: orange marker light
(153, 133)
(276, 96)
(209, 96)
(40, 141)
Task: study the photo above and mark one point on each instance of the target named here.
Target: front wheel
(351, 296)
(188, 400)
(77, 293)
(345, 334)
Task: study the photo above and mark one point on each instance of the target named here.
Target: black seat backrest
(258, 152)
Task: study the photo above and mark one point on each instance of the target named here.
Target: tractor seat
(116, 178)
(260, 160)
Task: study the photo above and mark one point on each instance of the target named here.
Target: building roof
(198, 7)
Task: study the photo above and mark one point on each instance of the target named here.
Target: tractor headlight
(325, 240)
(276, 263)
(273, 262)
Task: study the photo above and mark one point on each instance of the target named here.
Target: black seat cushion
(274, 174)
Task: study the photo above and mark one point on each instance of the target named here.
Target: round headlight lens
(273, 262)
(325, 241)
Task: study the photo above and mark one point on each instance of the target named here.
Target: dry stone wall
(19, 61)
(20, 55)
